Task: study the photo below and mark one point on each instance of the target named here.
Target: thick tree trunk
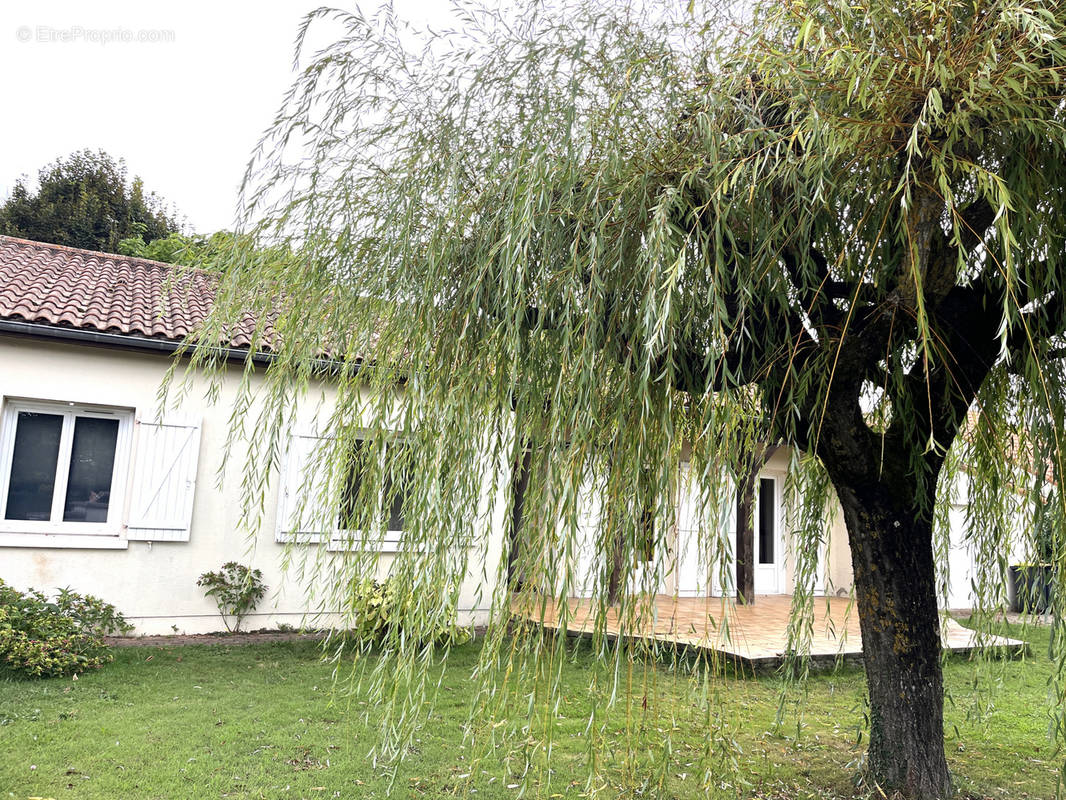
(747, 482)
(516, 559)
(745, 544)
(895, 586)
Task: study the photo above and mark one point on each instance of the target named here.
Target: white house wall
(154, 582)
(712, 571)
(960, 574)
(702, 542)
(699, 550)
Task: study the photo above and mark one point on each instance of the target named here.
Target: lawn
(260, 721)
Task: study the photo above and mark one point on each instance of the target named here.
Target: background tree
(615, 237)
(209, 252)
(85, 200)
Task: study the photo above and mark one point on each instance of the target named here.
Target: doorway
(769, 550)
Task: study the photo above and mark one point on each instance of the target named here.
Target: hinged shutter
(304, 482)
(164, 479)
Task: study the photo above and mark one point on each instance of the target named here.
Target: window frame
(69, 411)
(342, 538)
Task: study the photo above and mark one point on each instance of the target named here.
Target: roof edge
(165, 347)
(81, 251)
(122, 341)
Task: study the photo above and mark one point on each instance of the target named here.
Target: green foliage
(175, 248)
(85, 200)
(91, 614)
(207, 252)
(602, 242)
(381, 611)
(1048, 518)
(267, 708)
(41, 638)
(237, 589)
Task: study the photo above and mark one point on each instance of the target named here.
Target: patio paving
(756, 634)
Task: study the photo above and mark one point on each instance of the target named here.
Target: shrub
(92, 614)
(381, 610)
(40, 638)
(237, 589)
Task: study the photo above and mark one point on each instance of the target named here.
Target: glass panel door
(767, 537)
(767, 522)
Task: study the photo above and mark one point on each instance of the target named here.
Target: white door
(702, 555)
(962, 561)
(769, 552)
(690, 563)
(587, 569)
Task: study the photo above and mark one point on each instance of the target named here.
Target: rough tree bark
(895, 587)
(745, 544)
(745, 537)
(887, 498)
(519, 483)
(886, 484)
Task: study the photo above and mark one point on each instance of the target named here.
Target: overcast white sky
(184, 110)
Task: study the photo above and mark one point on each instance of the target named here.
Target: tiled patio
(756, 634)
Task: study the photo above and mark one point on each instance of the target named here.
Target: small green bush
(92, 614)
(40, 638)
(379, 609)
(237, 589)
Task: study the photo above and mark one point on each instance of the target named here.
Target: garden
(263, 720)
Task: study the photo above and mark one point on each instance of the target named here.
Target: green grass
(258, 721)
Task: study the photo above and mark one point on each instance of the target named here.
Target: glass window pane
(353, 496)
(353, 485)
(396, 491)
(33, 466)
(396, 517)
(92, 465)
(767, 501)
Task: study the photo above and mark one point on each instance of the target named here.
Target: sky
(181, 91)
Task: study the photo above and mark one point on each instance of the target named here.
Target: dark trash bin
(1030, 588)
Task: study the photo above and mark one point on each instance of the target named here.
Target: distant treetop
(86, 200)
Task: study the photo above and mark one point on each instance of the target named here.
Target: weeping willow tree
(576, 246)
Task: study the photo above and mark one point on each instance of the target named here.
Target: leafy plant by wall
(237, 589)
(40, 638)
(380, 610)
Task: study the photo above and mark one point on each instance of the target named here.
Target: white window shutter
(164, 479)
(304, 483)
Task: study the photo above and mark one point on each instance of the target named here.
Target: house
(101, 493)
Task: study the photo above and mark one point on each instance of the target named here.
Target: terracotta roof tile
(49, 284)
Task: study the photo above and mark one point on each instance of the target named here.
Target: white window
(394, 490)
(387, 504)
(63, 468)
(323, 502)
